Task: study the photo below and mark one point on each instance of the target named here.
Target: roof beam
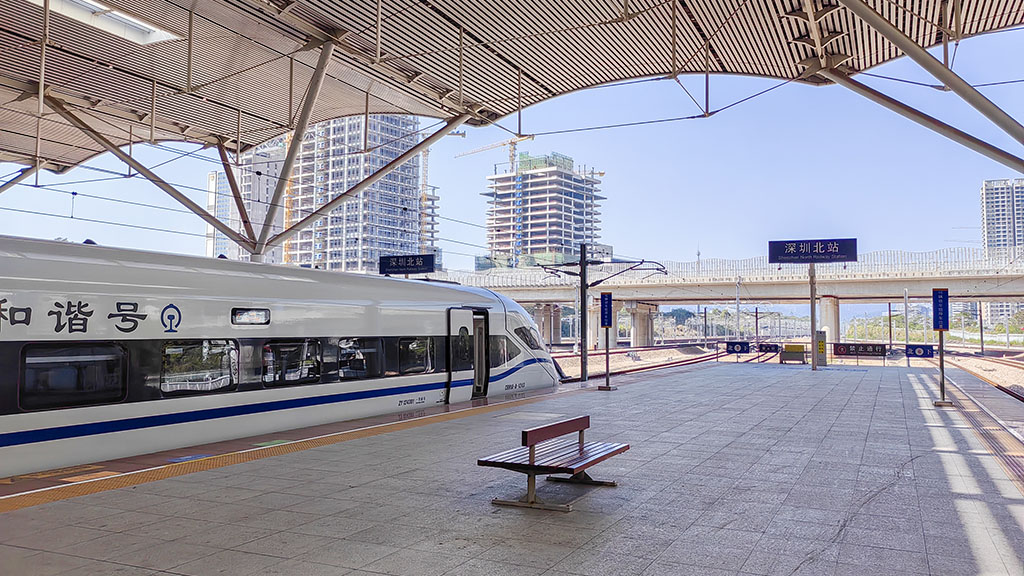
(58, 106)
(229, 173)
(954, 134)
(296, 144)
(370, 180)
(918, 54)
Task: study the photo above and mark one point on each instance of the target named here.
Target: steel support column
(326, 49)
(918, 54)
(243, 214)
(19, 177)
(954, 134)
(369, 180)
(58, 106)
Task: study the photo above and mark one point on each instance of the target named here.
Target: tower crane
(511, 143)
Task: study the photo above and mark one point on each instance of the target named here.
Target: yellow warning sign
(821, 347)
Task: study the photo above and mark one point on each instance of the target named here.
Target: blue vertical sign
(606, 309)
(940, 309)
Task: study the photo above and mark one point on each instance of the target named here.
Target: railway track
(620, 351)
(658, 366)
(759, 358)
(1003, 361)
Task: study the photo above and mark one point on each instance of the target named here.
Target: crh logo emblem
(170, 318)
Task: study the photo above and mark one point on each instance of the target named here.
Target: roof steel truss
(233, 70)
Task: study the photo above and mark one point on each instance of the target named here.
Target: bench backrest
(539, 434)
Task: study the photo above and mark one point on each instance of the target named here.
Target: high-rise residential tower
(395, 216)
(540, 212)
(1002, 231)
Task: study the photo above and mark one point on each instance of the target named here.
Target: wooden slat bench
(544, 452)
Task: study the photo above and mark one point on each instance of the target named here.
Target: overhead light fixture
(109, 20)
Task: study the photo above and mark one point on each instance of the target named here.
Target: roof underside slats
(252, 59)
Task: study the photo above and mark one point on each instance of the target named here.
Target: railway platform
(756, 469)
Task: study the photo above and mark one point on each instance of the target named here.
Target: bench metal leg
(531, 500)
(582, 478)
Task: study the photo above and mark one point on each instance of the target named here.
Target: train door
(480, 374)
(467, 354)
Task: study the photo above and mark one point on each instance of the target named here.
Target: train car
(107, 353)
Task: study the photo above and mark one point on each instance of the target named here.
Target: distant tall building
(220, 204)
(541, 212)
(395, 216)
(1002, 231)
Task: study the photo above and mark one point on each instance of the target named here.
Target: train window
(287, 362)
(61, 376)
(462, 350)
(198, 366)
(502, 350)
(415, 355)
(359, 358)
(530, 337)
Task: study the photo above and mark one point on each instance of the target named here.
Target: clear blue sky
(798, 162)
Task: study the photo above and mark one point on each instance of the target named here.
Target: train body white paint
(107, 353)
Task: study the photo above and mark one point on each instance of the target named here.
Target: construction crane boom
(511, 143)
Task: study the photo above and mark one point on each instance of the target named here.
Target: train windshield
(522, 326)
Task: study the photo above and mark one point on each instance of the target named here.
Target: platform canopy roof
(236, 71)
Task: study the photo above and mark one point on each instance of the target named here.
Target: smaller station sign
(737, 347)
(414, 264)
(606, 309)
(844, 349)
(764, 347)
(811, 251)
(940, 309)
(920, 351)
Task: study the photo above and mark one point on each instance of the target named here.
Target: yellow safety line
(57, 493)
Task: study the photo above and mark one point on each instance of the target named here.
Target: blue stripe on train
(92, 428)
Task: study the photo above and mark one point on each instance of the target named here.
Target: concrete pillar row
(829, 306)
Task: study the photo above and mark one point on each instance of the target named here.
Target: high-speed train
(107, 353)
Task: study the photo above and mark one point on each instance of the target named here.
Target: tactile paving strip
(47, 495)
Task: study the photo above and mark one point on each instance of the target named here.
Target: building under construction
(540, 211)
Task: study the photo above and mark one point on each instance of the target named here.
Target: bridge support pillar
(642, 323)
(830, 317)
(542, 318)
(556, 324)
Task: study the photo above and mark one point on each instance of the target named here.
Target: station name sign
(415, 264)
(811, 251)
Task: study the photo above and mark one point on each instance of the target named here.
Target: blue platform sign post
(811, 252)
(940, 323)
(412, 264)
(606, 323)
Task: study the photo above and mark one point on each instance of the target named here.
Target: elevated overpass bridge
(877, 277)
